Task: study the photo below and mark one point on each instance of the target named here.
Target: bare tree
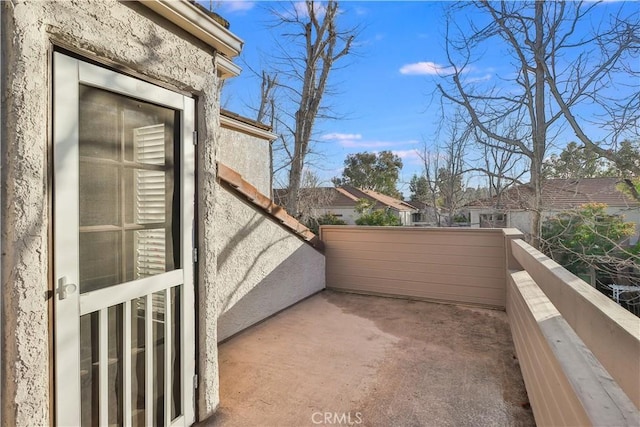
(313, 196)
(304, 76)
(444, 170)
(266, 109)
(557, 69)
(431, 169)
(502, 167)
(450, 179)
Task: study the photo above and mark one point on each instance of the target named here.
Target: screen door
(123, 226)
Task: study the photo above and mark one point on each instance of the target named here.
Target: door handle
(64, 288)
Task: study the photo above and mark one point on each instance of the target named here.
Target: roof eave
(238, 125)
(194, 21)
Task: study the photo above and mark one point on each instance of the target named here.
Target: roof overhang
(197, 23)
(240, 126)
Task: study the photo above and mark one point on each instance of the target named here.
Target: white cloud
(340, 136)
(425, 68)
(354, 140)
(238, 5)
(361, 10)
(410, 156)
(367, 144)
(484, 78)
(301, 9)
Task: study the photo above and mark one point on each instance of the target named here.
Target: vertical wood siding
(453, 265)
(566, 384)
(608, 330)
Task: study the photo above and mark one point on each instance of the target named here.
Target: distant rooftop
(347, 197)
(564, 194)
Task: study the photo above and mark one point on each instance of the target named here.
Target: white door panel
(124, 304)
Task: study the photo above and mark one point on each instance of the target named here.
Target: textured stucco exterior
(248, 155)
(129, 36)
(262, 267)
(240, 251)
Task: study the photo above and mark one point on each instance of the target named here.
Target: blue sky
(385, 90)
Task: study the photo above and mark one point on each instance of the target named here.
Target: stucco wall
(262, 268)
(248, 155)
(128, 35)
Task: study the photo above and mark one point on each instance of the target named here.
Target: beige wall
(247, 154)
(565, 383)
(610, 332)
(262, 267)
(444, 264)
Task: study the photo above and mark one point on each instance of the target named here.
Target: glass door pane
(129, 218)
(127, 181)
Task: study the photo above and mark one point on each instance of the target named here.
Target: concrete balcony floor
(345, 359)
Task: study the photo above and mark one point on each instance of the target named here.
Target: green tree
(370, 171)
(588, 237)
(576, 162)
(371, 216)
(327, 219)
(628, 154)
(419, 187)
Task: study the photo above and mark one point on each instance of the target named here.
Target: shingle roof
(238, 184)
(390, 201)
(564, 194)
(337, 197)
(348, 196)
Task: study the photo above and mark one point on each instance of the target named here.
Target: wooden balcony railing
(579, 352)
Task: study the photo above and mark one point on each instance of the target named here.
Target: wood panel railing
(579, 351)
(608, 330)
(448, 265)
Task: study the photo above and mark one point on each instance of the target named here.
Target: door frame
(68, 74)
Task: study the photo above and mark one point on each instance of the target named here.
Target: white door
(123, 233)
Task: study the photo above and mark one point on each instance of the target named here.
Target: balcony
(519, 341)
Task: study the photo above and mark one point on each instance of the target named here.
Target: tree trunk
(540, 125)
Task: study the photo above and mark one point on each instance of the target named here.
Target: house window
(493, 220)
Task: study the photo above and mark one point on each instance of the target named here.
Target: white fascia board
(226, 68)
(197, 23)
(237, 125)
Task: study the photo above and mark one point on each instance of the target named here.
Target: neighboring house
(426, 215)
(513, 210)
(136, 225)
(342, 201)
